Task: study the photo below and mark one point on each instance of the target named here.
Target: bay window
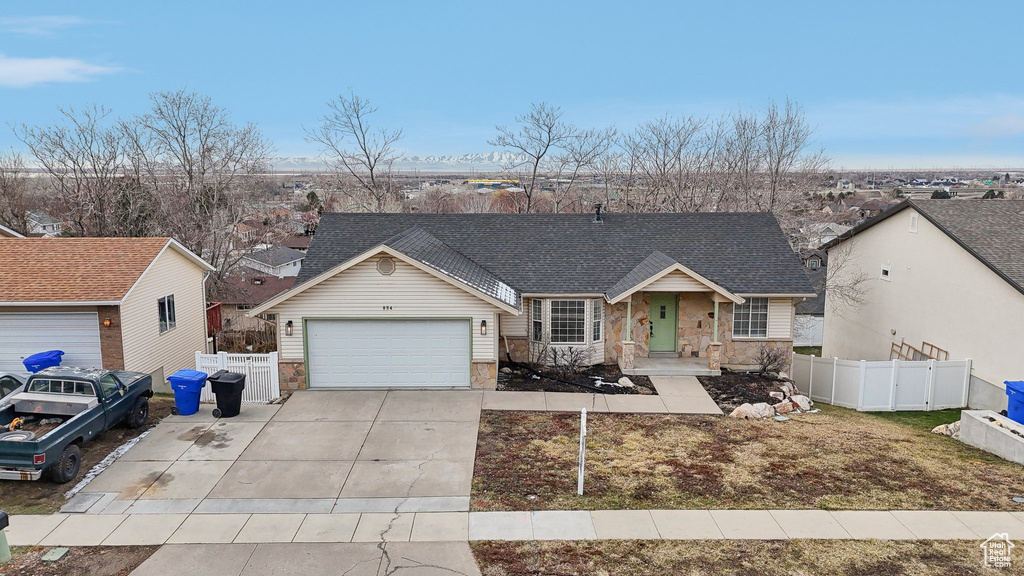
(568, 321)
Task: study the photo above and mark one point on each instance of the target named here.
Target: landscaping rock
(743, 412)
(506, 370)
(784, 376)
(952, 430)
(777, 395)
(784, 407)
(803, 402)
(762, 410)
(624, 381)
(788, 389)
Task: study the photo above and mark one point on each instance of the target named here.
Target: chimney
(597, 213)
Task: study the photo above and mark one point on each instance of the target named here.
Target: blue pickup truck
(43, 428)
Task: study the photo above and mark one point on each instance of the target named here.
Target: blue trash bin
(1015, 400)
(48, 359)
(188, 387)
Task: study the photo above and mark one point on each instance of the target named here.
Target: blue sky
(888, 84)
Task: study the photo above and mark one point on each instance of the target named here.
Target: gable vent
(386, 266)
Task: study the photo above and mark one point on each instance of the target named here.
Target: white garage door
(26, 333)
(392, 353)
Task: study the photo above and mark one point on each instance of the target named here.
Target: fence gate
(262, 384)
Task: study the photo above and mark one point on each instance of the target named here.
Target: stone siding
(614, 332)
(520, 349)
(745, 352)
(484, 375)
(111, 345)
(696, 326)
(292, 375)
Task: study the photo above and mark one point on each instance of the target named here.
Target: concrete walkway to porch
(676, 395)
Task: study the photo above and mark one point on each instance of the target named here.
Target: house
(437, 299)
(822, 232)
(115, 303)
(945, 278)
(809, 325)
(239, 293)
(300, 243)
(279, 261)
(6, 232)
(42, 224)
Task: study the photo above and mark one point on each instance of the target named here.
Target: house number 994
(388, 308)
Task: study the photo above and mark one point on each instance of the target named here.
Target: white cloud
(25, 72)
(39, 25)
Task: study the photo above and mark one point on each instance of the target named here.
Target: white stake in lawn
(583, 451)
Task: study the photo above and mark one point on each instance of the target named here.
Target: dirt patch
(732, 557)
(734, 388)
(602, 377)
(834, 459)
(85, 561)
(45, 497)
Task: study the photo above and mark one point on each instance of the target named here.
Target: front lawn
(80, 561)
(45, 497)
(834, 459)
(732, 557)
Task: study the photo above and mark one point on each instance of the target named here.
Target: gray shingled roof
(276, 256)
(656, 262)
(418, 244)
(745, 253)
(988, 229)
(814, 306)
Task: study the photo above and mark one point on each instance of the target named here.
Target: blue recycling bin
(188, 387)
(1015, 400)
(48, 359)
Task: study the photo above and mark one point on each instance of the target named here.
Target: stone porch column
(715, 356)
(628, 355)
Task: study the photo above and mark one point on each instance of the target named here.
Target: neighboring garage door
(25, 333)
(392, 353)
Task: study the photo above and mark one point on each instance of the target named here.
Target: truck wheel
(137, 417)
(67, 465)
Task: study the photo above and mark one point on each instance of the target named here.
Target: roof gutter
(56, 304)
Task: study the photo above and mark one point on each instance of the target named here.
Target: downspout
(206, 318)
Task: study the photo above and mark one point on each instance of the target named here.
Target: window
(885, 273)
(243, 307)
(750, 319)
(537, 320)
(8, 385)
(166, 310)
(597, 318)
(814, 263)
(108, 385)
(568, 321)
(913, 223)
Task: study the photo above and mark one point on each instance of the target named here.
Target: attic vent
(257, 281)
(386, 266)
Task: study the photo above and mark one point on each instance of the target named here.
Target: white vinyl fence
(884, 385)
(262, 383)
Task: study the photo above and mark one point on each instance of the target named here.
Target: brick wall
(111, 346)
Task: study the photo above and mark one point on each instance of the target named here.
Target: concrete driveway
(320, 452)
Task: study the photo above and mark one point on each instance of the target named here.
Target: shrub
(771, 359)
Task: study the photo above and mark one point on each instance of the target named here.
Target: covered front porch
(670, 366)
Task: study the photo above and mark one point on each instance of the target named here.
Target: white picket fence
(262, 384)
(884, 385)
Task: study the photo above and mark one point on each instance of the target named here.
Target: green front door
(663, 322)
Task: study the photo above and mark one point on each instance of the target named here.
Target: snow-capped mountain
(485, 162)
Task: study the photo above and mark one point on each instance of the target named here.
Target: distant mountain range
(486, 162)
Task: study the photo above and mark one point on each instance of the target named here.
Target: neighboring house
(6, 232)
(279, 261)
(42, 224)
(115, 303)
(239, 293)
(809, 326)
(946, 277)
(300, 243)
(823, 232)
(437, 299)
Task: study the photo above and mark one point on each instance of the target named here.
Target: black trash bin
(227, 386)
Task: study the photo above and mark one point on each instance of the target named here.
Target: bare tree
(579, 157)
(537, 135)
(13, 192)
(846, 283)
(359, 153)
(786, 136)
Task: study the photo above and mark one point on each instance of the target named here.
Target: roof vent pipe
(597, 213)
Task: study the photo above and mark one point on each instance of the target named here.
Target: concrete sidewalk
(152, 529)
(676, 395)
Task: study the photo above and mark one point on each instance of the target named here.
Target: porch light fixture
(483, 327)
(106, 322)
(288, 326)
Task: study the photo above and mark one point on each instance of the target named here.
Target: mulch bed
(521, 379)
(82, 561)
(732, 389)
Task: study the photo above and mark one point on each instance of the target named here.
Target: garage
(25, 333)
(411, 353)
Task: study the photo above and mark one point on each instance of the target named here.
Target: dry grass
(836, 459)
(736, 557)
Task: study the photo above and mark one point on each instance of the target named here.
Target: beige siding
(936, 292)
(516, 326)
(780, 318)
(145, 348)
(362, 292)
(676, 282)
